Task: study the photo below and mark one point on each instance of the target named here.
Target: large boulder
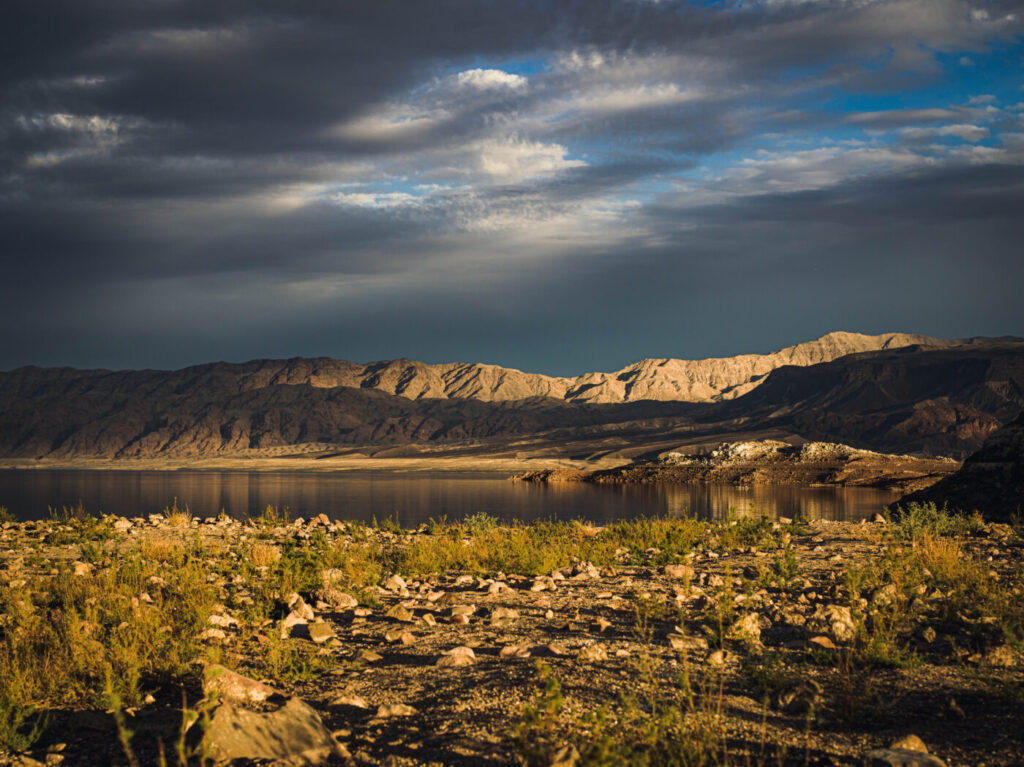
(291, 734)
(990, 481)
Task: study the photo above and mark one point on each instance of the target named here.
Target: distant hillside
(991, 480)
(942, 401)
(938, 397)
(674, 380)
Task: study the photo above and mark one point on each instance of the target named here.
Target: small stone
(746, 628)
(463, 610)
(456, 657)
(299, 607)
(497, 587)
(433, 596)
(212, 635)
(460, 620)
(503, 614)
(593, 653)
(1003, 657)
(910, 743)
(222, 621)
(718, 658)
(428, 619)
(234, 687)
(368, 656)
(681, 643)
(515, 651)
(401, 614)
(82, 568)
(291, 619)
(684, 572)
(823, 642)
(395, 583)
(354, 701)
(603, 624)
(320, 632)
(339, 599)
(834, 620)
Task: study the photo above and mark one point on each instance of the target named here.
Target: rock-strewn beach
(675, 641)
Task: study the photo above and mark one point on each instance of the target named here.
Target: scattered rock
(834, 620)
(504, 615)
(320, 632)
(353, 701)
(457, 656)
(234, 687)
(823, 642)
(391, 710)
(684, 572)
(401, 614)
(593, 653)
(294, 732)
(747, 628)
(515, 651)
(299, 608)
(682, 643)
(910, 743)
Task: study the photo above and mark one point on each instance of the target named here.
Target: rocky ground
(673, 641)
(769, 462)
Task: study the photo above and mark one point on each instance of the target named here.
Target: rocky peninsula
(769, 462)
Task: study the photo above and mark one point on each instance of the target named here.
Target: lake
(412, 497)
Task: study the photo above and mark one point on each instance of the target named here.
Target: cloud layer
(558, 186)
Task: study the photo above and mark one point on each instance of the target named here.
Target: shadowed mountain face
(937, 398)
(990, 481)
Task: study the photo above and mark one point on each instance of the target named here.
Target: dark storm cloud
(185, 180)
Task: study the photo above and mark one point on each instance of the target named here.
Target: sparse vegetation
(103, 620)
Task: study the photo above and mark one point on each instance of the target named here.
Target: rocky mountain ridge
(666, 379)
(939, 399)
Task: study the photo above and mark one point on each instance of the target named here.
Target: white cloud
(489, 79)
(605, 99)
(512, 160)
(393, 122)
(374, 199)
(971, 133)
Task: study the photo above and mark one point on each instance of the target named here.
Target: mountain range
(889, 392)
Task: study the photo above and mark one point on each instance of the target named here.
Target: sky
(553, 186)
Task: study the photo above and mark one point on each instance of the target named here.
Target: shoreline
(419, 464)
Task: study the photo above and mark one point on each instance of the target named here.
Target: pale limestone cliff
(675, 380)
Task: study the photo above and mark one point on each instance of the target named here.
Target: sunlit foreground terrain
(172, 640)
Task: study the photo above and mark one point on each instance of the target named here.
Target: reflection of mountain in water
(721, 501)
(413, 498)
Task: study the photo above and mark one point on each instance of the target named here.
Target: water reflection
(411, 498)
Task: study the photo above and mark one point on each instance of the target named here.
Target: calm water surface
(411, 497)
